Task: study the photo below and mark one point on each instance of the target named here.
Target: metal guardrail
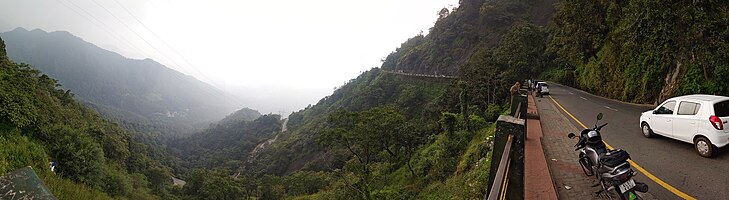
(506, 177)
(498, 188)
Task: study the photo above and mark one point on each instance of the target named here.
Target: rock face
(671, 83)
(23, 184)
(178, 182)
(260, 147)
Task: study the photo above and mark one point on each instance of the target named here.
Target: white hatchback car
(545, 87)
(697, 119)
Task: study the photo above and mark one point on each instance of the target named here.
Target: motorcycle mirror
(571, 135)
(599, 116)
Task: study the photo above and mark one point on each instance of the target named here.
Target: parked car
(545, 87)
(697, 119)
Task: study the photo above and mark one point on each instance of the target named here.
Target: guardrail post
(506, 126)
(524, 105)
(514, 104)
(523, 99)
(516, 173)
(519, 105)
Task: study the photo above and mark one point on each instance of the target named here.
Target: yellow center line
(633, 163)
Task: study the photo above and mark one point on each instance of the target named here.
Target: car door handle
(692, 123)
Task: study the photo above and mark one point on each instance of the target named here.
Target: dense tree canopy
(40, 123)
(642, 51)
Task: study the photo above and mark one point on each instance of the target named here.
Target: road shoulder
(569, 179)
(538, 183)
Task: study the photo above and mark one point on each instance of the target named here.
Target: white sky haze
(244, 46)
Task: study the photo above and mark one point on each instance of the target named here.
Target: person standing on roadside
(514, 90)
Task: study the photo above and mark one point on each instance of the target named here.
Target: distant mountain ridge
(129, 90)
(244, 114)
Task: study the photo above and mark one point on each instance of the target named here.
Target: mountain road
(675, 170)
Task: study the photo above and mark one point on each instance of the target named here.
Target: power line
(161, 52)
(156, 49)
(135, 32)
(162, 40)
(121, 39)
(100, 24)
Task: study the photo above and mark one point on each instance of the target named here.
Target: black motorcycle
(610, 167)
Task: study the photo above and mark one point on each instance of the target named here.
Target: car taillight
(716, 122)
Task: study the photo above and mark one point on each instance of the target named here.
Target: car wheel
(647, 131)
(704, 147)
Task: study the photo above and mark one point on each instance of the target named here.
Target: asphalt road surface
(676, 163)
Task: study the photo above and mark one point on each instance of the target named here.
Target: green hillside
(96, 159)
(244, 114)
(141, 94)
(641, 51)
(225, 144)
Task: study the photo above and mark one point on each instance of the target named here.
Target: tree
(465, 102)
(160, 180)
(443, 13)
(365, 134)
(521, 52)
(219, 185)
(410, 137)
(449, 120)
(78, 156)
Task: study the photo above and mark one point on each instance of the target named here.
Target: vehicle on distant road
(544, 88)
(697, 119)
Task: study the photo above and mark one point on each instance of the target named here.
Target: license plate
(627, 186)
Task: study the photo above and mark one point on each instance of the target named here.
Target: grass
(471, 177)
(67, 189)
(20, 151)
(477, 148)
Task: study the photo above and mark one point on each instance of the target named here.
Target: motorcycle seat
(614, 158)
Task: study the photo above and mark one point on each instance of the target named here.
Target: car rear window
(721, 109)
(688, 108)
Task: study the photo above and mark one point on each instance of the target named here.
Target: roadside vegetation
(641, 51)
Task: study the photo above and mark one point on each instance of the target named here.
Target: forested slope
(96, 159)
(143, 95)
(459, 35)
(226, 144)
(641, 51)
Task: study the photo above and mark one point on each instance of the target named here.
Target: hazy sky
(295, 51)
